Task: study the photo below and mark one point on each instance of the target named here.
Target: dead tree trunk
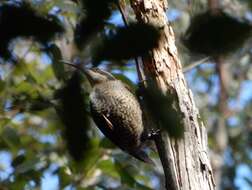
(186, 163)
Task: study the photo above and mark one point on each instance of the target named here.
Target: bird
(116, 111)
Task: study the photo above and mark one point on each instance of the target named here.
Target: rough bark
(184, 159)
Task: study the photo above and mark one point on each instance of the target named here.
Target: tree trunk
(185, 161)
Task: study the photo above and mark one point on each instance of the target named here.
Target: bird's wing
(109, 124)
(102, 122)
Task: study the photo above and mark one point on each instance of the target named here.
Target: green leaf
(57, 64)
(64, 178)
(108, 167)
(126, 178)
(2, 85)
(140, 186)
(18, 160)
(4, 122)
(21, 20)
(26, 88)
(39, 104)
(92, 155)
(106, 143)
(11, 137)
(26, 166)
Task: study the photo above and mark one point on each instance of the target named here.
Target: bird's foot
(151, 135)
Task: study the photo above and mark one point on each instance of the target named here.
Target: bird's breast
(121, 108)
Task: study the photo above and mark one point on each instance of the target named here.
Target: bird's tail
(141, 155)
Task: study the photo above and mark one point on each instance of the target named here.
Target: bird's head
(97, 76)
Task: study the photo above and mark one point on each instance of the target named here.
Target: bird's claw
(151, 134)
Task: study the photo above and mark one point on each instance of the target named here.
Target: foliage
(16, 19)
(45, 128)
(216, 33)
(45, 123)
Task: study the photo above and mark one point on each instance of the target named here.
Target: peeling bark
(186, 159)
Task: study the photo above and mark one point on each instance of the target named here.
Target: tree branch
(164, 152)
(121, 6)
(185, 162)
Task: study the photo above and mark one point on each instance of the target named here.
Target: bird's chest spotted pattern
(112, 102)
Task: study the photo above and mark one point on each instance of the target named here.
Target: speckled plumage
(117, 113)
